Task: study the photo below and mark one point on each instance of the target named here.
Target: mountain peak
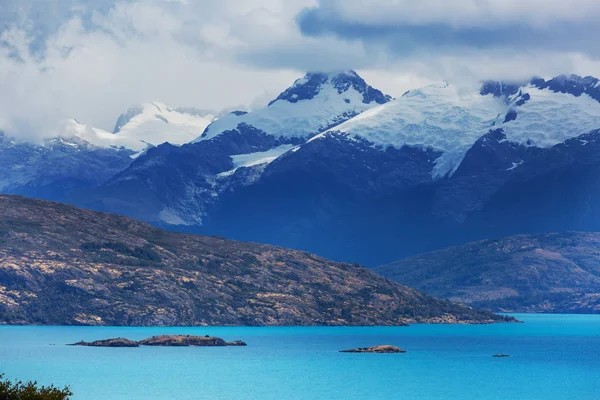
(314, 103)
(499, 88)
(159, 111)
(311, 84)
(568, 84)
(571, 84)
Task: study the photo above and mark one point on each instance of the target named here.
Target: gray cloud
(454, 29)
(463, 29)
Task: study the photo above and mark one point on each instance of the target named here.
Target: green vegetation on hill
(64, 265)
(555, 272)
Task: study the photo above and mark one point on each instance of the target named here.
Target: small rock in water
(375, 349)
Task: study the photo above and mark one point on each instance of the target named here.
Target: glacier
(448, 119)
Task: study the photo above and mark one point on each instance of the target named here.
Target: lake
(553, 357)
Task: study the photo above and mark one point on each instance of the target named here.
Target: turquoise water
(554, 357)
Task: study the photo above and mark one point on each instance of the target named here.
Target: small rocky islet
(376, 349)
(116, 342)
(163, 340)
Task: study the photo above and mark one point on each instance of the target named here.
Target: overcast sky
(92, 59)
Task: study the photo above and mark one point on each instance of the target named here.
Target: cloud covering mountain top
(92, 60)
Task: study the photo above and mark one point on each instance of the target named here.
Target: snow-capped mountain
(334, 166)
(179, 184)
(83, 157)
(312, 104)
(444, 119)
(437, 166)
(54, 168)
(147, 125)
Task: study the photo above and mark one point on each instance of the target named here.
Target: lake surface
(553, 357)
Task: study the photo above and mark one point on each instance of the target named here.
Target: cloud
(458, 13)
(97, 62)
(538, 36)
(93, 59)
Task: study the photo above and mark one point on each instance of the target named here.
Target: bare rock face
(376, 349)
(118, 342)
(188, 340)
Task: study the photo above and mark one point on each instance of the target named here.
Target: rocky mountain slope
(83, 157)
(556, 272)
(64, 265)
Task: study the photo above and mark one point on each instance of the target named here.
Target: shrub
(31, 391)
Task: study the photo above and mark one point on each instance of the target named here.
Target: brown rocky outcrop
(117, 342)
(188, 340)
(386, 348)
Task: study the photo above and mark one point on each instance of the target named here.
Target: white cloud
(183, 55)
(91, 60)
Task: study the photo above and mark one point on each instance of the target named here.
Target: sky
(93, 59)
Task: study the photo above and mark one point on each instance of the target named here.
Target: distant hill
(556, 272)
(64, 265)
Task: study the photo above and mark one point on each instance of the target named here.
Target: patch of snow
(444, 118)
(439, 116)
(95, 136)
(158, 123)
(263, 157)
(301, 119)
(550, 118)
(168, 216)
(258, 158)
(515, 165)
(154, 124)
(226, 174)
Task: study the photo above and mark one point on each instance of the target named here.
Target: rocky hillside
(556, 272)
(64, 265)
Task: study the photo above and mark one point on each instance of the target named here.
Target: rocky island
(376, 349)
(188, 340)
(116, 342)
(163, 340)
